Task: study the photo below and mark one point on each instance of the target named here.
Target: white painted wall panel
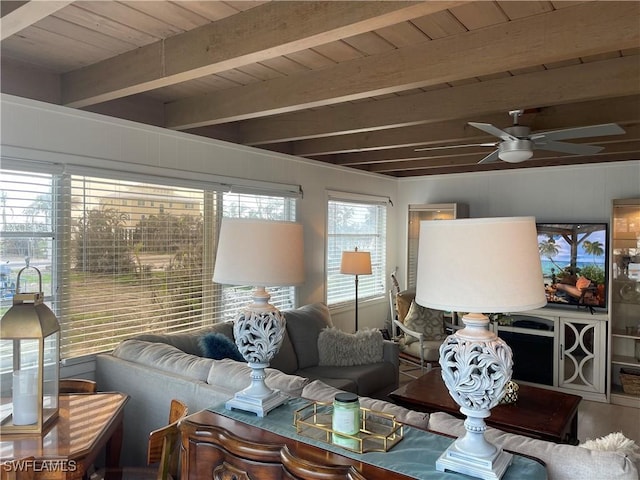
(581, 193)
(40, 131)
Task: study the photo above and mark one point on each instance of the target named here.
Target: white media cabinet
(569, 352)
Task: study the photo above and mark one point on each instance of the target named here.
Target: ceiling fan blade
(565, 147)
(495, 131)
(581, 132)
(444, 147)
(492, 157)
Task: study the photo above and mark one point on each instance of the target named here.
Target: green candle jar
(346, 419)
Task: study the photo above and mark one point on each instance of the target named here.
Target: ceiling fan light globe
(515, 151)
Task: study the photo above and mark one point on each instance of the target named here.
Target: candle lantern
(29, 355)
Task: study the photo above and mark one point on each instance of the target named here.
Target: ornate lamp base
(476, 365)
(258, 331)
(489, 468)
(257, 397)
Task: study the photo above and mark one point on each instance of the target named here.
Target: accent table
(538, 413)
(86, 423)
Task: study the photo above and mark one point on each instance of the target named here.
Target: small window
(354, 224)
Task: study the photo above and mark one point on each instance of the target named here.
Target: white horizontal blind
(121, 257)
(132, 262)
(355, 224)
(236, 205)
(26, 232)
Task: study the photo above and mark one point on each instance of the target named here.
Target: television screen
(574, 259)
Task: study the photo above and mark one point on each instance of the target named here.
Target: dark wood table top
(85, 424)
(538, 413)
(256, 445)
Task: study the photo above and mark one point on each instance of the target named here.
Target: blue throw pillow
(219, 346)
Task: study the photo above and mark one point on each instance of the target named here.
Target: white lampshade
(259, 252)
(488, 265)
(356, 263)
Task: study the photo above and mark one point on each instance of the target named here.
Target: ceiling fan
(517, 142)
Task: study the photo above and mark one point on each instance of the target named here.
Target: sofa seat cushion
(164, 357)
(304, 325)
(235, 376)
(368, 378)
(343, 384)
(564, 462)
(424, 320)
(338, 348)
(431, 349)
(321, 392)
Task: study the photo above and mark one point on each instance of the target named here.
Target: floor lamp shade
(481, 265)
(356, 263)
(259, 253)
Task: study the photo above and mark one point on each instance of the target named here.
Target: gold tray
(379, 431)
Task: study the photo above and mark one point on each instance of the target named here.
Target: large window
(351, 224)
(123, 257)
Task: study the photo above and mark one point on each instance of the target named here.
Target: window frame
(213, 210)
(370, 287)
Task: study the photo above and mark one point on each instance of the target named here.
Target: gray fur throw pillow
(338, 348)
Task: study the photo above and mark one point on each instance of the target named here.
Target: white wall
(32, 130)
(581, 193)
(40, 131)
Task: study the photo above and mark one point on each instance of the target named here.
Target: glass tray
(379, 431)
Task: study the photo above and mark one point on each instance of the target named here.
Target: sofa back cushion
(304, 325)
(285, 360)
(188, 342)
(235, 376)
(563, 462)
(164, 357)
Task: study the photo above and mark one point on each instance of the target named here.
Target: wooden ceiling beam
(532, 41)
(550, 162)
(621, 110)
(472, 157)
(264, 32)
(27, 14)
(583, 82)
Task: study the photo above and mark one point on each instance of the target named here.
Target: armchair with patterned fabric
(419, 330)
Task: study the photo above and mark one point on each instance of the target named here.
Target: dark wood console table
(225, 445)
(215, 446)
(538, 413)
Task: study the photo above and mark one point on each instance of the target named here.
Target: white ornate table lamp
(259, 252)
(480, 265)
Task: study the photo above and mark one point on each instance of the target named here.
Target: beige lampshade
(485, 265)
(356, 263)
(259, 253)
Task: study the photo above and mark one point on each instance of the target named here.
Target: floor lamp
(479, 265)
(356, 263)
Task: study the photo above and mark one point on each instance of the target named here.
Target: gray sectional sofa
(154, 369)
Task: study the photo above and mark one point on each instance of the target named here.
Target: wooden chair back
(164, 442)
(77, 385)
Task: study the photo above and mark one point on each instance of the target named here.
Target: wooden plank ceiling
(361, 84)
